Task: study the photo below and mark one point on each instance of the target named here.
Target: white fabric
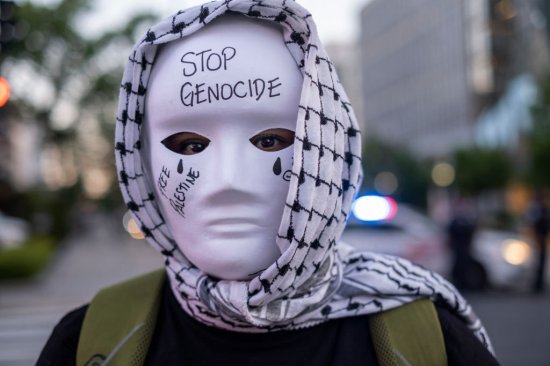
(224, 204)
(316, 278)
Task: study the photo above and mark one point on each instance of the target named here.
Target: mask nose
(229, 164)
(229, 184)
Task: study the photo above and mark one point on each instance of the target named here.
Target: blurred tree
(480, 169)
(7, 25)
(539, 138)
(411, 175)
(65, 83)
(64, 90)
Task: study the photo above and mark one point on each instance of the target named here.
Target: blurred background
(453, 98)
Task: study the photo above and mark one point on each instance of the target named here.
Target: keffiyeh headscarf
(316, 278)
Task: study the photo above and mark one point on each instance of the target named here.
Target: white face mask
(221, 111)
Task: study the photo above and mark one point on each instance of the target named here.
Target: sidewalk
(101, 255)
(518, 324)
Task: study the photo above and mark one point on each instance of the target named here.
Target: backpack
(120, 322)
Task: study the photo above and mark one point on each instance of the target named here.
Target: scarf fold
(316, 278)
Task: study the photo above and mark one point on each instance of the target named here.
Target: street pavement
(97, 255)
(102, 253)
(518, 325)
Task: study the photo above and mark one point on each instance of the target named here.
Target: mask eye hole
(186, 143)
(274, 139)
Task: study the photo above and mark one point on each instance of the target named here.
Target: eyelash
(179, 146)
(268, 135)
(180, 142)
(187, 144)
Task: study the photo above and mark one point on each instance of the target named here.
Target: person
(539, 219)
(238, 154)
(467, 273)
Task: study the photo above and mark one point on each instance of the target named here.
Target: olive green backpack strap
(120, 321)
(408, 335)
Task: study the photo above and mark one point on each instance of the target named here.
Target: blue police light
(374, 208)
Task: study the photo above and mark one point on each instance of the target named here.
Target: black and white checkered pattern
(316, 278)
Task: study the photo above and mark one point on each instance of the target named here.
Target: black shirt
(181, 340)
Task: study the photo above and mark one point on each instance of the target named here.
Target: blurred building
(431, 67)
(20, 144)
(5, 151)
(505, 124)
(545, 9)
(505, 121)
(346, 58)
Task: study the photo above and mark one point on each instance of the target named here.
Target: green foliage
(27, 259)
(412, 175)
(479, 170)
(539, 172)
(50, 213)
(74, 66)
(79, 78)
(539, 139)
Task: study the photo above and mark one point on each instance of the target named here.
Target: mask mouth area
(235, 227)
(227, 221)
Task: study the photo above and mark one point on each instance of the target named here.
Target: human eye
(186, 143)
(274, 139)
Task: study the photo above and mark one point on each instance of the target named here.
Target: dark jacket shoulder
(462, 347)
(60, 349)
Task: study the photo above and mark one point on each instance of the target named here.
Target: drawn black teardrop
(277, 167)
(180, 167)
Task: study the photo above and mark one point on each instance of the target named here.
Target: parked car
(13, 231)
(379, 224)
